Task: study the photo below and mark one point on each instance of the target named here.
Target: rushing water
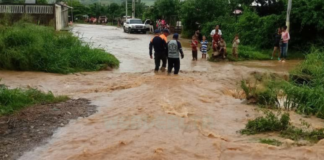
(147, 116)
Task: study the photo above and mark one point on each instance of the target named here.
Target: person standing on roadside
(213, 32)
(222, 47)
(199, 35)
(194, 45)
(285, 37)
(235, 45)
(174, 49)
(151, 26)
(204, 47)
(277, 44)
(159, 46)
(164, 36)
(216, 39)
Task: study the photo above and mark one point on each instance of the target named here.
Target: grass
(273, 142)
(246, 53)
(280, 123)
(12, 100)
(269, 123)
(29, 47)
(303, 91)
(300, 134)
(306, 86)
(253, 53)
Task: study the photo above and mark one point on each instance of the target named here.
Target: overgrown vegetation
(273, 142)
(29, 47)
(306, 86)
(269, 123)
(280, 123)
(302, 91)
(297, 134)
(12, 100)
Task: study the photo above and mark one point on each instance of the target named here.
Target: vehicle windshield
(136, 21)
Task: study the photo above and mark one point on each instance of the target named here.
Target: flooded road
(147, 116)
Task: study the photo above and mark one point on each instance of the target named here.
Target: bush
(269, 123)
(29, 47)
(299, 134)
(272, 123)
(15, 99)
(258, 31)
(305, 89)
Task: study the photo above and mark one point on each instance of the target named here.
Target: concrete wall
(61, 17)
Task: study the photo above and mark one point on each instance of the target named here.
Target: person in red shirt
(216, 39)
(194, 45)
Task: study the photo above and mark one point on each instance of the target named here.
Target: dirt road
(147, 116)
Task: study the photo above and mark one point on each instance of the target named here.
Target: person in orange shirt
(164, 36)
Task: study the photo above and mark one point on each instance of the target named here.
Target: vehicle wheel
(129, 31)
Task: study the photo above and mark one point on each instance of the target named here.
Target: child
(204, 47)
(174, 50)
(216, 38)
(235, 45)
(222, 46)
(194, 44)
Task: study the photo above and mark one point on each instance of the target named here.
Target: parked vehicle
(102, 19)
(134, 25)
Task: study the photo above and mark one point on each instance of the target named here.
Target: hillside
(147, 2)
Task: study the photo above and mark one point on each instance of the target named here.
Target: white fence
(29, 9)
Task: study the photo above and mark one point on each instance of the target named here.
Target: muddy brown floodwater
(147, 116)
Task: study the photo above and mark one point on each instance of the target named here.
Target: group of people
(281, 43)
(218, 44)
(166, 51)
(161, 24)
(171, 52)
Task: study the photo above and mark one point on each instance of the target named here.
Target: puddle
(147, 116)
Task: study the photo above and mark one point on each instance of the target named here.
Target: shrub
(299, 134)
(272, 123)
(269, 123)
(305, 89)
(26, 47)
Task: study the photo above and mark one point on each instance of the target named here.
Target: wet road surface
(147, 116)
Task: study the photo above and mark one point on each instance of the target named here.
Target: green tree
(194, 12)
(167, 8)
(41, 1)
(114, 10)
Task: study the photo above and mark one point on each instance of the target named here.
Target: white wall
(58, 17)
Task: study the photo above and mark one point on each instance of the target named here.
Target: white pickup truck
(134, 25)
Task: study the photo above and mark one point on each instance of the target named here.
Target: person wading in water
(174, 50)
(159, 46)
(164, 36)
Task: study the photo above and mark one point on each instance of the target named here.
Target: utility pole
(288, 19)
(288, 14)
(71, 11)
(126, 8)
(133, 9)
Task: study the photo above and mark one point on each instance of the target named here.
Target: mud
(30, 127)
(147, 116)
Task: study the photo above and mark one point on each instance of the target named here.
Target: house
(55, 15)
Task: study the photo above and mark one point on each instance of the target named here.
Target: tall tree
(41, 1)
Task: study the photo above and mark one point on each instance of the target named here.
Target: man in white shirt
(212, 33)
